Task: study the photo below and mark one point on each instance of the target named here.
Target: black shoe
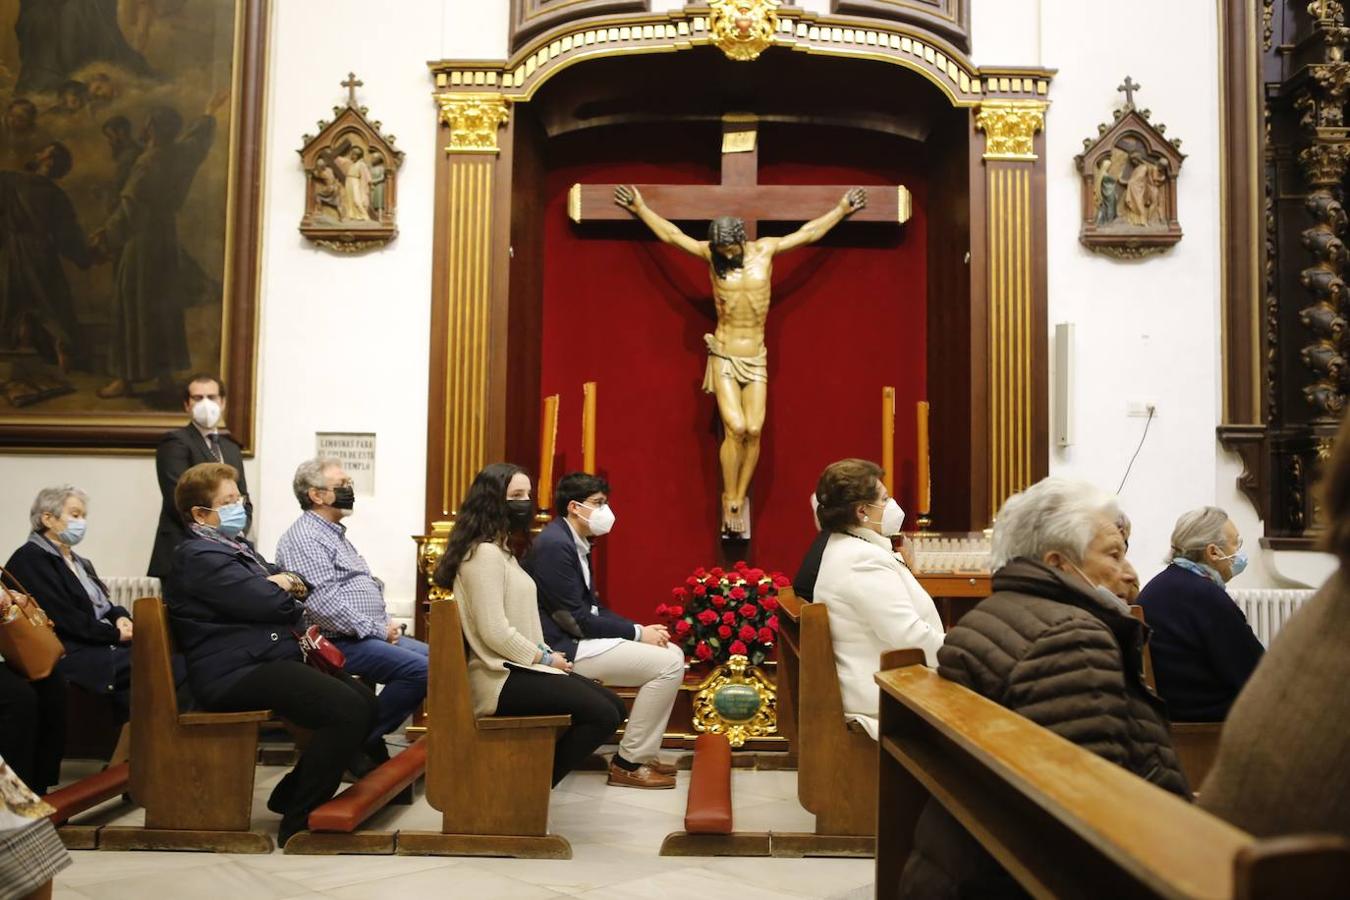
(290, 826)
(377, 751)
(359, 766)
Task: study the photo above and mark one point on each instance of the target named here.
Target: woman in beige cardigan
(512, 672)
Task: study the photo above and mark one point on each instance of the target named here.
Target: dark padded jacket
(1062, 658)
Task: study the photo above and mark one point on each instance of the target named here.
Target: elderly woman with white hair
(1056, 643)
(96, 632)
(1202, 647)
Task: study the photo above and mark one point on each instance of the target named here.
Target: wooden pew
(1063, 821)
(193, 772)
(489, 777)
(1196, 743)
(333, 825)
(789, 656)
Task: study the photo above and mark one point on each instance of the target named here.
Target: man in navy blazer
(601, 643)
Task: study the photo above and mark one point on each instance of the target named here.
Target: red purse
(320, 652)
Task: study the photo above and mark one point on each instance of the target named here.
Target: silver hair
(309, 474)
(1195, 531)
(52, 500)
(1053, 514)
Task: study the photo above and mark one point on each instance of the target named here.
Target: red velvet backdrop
(629, 313)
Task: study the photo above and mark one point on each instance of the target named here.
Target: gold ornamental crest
(738, 701)
(742, 29)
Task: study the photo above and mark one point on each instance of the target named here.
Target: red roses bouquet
(716, 615)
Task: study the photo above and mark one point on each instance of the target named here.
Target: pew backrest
(1062, 820)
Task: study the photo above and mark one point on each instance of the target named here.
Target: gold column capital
(474, 120)
(1010, 128)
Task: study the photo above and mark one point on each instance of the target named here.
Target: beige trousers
(657, 672)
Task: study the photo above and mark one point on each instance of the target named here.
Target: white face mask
(600, 521)
(892, 518)
(206, 413)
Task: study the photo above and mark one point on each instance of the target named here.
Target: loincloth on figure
(742, 369)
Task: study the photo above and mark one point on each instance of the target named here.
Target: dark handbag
(320, 652)
(28, 640)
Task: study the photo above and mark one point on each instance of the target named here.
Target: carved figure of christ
(741, 269)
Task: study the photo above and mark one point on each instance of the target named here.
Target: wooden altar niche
(1285, 82)
(982, 149)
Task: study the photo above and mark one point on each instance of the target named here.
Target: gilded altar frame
(479, 411)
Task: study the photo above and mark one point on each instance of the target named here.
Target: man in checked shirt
(346, 601)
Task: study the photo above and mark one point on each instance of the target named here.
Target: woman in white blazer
(875, 602)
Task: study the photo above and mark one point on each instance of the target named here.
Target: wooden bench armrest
(789, 604)
(1212, 728)
(224, 718)
(499, 723)
(898, 659)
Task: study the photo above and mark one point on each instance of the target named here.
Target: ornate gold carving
(1010, 336)
(430, 549)
(474, 120)
(738, 721)
(1010, 128)
(743, 29)
(1324, 164)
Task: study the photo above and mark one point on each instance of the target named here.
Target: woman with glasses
(1203, 649)
(234, 617)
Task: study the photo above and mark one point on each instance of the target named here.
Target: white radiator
(126, 591)
(1267, 609)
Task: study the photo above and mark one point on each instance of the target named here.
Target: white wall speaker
(1064, 334)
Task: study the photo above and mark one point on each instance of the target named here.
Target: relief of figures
(351, 169)
(113, 193)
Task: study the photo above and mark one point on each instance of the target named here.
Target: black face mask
(344, 497)
(519, 513)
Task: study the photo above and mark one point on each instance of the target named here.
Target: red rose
(740, 565)
(662, 610)
(747, 632)
(780, 581)
(737, 593)
(772, 623)
(754, 574)
(765, 636)
(724, 631)
(737, 648)
(682, 627)
(707, 617)
(691, 581)
(700, 573)
(769, 603)
(675, 611)
(728, 618)
(703, 651)
(748, 611)
(763, 588)
(700, 590)
(718, 600)
(717, 572)
(680, 593)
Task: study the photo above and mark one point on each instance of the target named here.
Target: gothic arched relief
(351, 177)
(1129, 174)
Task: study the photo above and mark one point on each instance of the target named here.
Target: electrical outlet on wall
(1141, 408)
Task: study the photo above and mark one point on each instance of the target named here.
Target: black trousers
(339, 711)
(33, 727)
(596, 711)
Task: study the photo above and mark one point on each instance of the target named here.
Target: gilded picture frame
(152, 206)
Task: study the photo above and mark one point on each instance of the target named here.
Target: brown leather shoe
(662, 767)
(641, 777)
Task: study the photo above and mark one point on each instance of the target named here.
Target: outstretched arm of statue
(628, 197)
(816, 229)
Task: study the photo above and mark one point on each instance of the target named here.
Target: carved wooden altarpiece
(1286, 147)
(982, 127)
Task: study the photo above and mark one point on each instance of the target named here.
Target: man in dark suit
(199, 441)
(602, 644)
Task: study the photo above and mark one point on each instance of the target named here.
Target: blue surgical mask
(233, 518)
(1239, 563)
(73, 533)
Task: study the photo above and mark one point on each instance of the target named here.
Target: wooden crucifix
(741, 268)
